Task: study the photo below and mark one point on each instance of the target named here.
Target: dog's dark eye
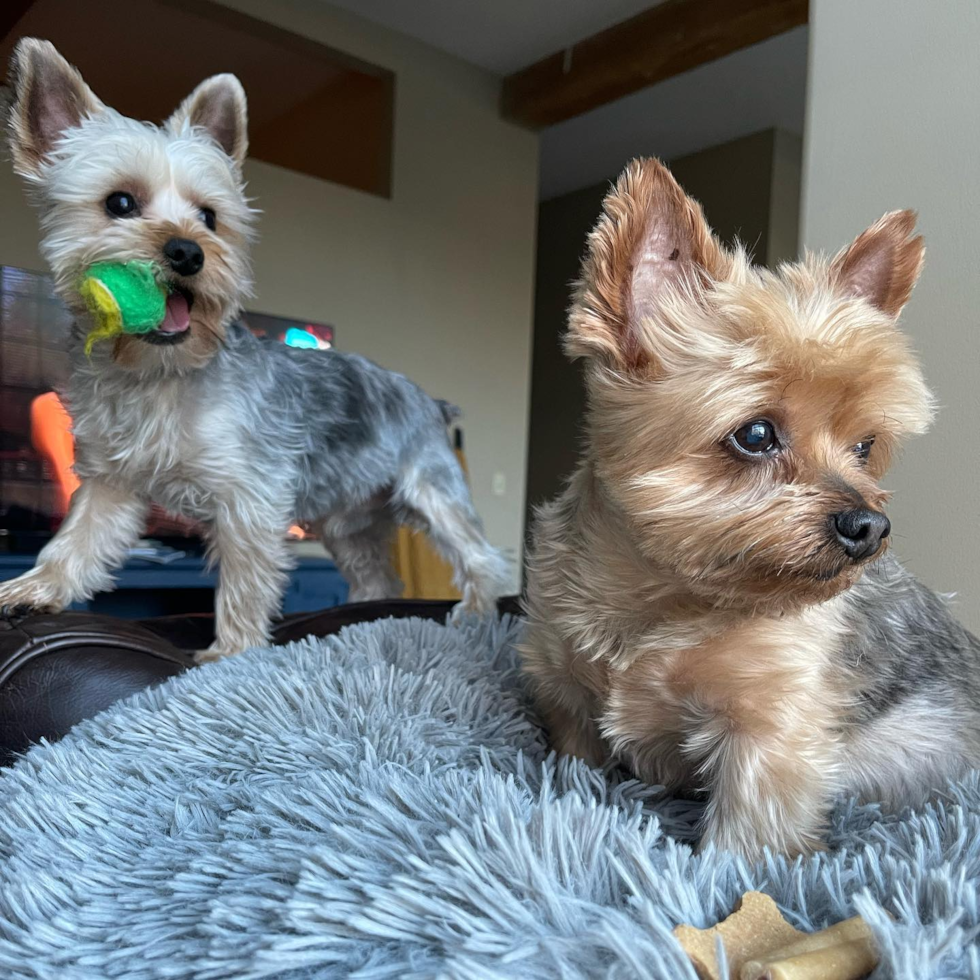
(122, 204)
(209, 219)
(863, 449)
(756, 438)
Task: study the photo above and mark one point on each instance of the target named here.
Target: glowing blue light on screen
(295, 337)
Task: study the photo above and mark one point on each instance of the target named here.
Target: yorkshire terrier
(199, 416)
(710, 601)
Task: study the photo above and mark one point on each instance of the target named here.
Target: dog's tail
(450, 412)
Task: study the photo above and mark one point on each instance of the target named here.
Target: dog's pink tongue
(178, 315)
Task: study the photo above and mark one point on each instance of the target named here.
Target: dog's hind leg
(362, 550)
(103, 522)
(434, 496)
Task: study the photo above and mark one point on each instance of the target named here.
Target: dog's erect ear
(217, 105)
(883, 263)
(650, 240)
(49, 98)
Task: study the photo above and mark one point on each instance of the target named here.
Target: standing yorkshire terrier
(198, 415)
(709, 600)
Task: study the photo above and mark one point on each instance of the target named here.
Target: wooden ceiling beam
(672, 37)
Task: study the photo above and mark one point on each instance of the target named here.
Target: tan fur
(682, 599)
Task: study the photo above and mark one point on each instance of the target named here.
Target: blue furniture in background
(146, 588)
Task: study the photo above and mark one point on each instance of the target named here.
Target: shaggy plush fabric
(381, 805)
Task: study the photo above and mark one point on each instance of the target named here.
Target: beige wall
(436, 282)
(784, 198)
(893, 121)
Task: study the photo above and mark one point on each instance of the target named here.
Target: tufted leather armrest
(56, 670)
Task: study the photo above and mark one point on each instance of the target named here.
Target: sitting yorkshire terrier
(199, 416)
(709, 598)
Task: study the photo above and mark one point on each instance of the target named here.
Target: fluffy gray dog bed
(381, 805)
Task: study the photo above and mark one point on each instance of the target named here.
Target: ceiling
(499, 35)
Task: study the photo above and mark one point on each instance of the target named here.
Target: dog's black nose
(185, 257)
(860, 532)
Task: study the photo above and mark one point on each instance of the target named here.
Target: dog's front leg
(767, 787)
(253, 565)
(103, 521)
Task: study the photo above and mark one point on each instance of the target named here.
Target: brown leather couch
(56, 670)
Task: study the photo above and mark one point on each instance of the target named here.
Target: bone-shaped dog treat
(845, 951)
(845, 961)
(761, 945)
(753, 929)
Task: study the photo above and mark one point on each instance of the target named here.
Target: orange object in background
(425, 574)
(52, 439)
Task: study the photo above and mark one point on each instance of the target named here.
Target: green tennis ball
(141, 300)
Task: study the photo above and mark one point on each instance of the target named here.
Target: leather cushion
(56, 670)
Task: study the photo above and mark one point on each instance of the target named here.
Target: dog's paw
(211, 655)
(16, 613)
(13, 614)
(473, 605)
(465, 613)
(20, 598)
(459, 614)
(218, 651)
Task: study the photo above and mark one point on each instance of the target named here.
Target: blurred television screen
(294, 333)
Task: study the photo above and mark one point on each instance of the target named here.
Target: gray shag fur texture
(381, 804)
